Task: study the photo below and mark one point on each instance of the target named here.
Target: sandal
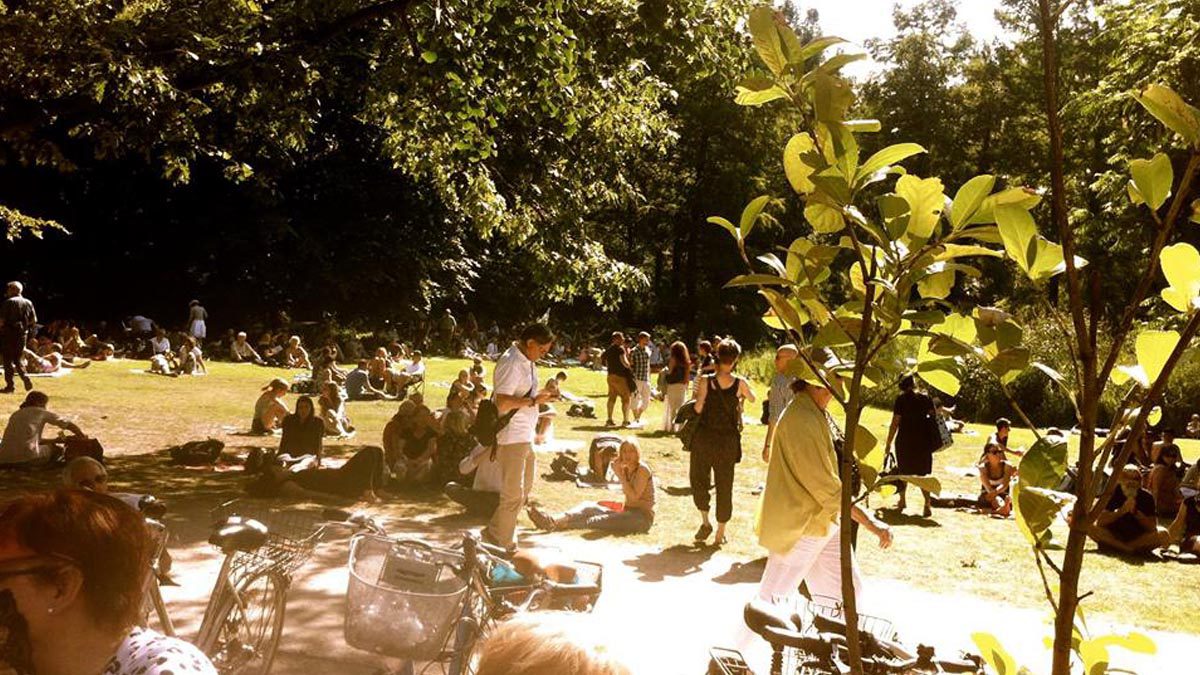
(702, 533)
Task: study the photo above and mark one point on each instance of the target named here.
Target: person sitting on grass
(191, 359)
(360, 478)
(302, 431)
(477, 371)
(1127, 523)
(1164, 481)
(995, 475)
(415, 463)
(454, 444)
(269, 409)
(73, 344)
(359, 386)
(379, 369)
(241, 351)
(395, 432)
(294, 355)
(635, 515)
(1185, 529)
(164, 364)
(413, 372)
(460, 391)
(159, 344)
(325, 369)
(333, 412)
(482, 472)
(1166, 441)
(22, 441)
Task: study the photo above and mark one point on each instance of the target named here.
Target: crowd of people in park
(477, 446)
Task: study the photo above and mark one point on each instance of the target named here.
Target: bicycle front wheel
(469, 633)
(247, 626)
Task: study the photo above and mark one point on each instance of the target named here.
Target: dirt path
(665, 607)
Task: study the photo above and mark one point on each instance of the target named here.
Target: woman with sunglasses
(995, 475)
(73, 565)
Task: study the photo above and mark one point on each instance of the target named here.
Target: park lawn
(136, 416)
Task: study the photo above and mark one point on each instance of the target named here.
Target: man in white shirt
(23, 433)
(411, 373)
(484, 494)
(241, 351)
(515, 383)
(159, 344)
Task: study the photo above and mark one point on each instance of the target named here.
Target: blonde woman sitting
(635, 515)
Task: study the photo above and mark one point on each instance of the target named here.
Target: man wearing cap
(797, 520)
(241, 351)
(17, 320)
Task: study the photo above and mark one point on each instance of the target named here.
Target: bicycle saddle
(239, 534)
(772, 623)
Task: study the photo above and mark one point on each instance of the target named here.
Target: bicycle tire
(472, 629)
(243, 642)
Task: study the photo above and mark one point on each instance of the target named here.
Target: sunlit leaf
(766, 38)
(1153, 179)
(1001, 662)
(793, 165)
(1172, 111)
(1020, 197)
(824, 218)
(926, 201)
(969, 198)
(729, 227)
(751, 213)
(888, 156)
(1154, 347)
(1181, 266)
(756, 280)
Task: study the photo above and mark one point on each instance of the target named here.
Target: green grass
(136, 415)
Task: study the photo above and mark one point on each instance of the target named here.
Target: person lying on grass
(995, 475)
(635, 515)
(359, 479)
(51, 362)
(1127, 523)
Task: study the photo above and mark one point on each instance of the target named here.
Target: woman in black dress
(717, 445)
(915, 436)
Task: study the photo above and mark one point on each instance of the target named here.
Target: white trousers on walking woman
(674, 401)
(815, 560)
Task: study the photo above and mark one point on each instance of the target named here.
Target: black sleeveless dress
(719, 430)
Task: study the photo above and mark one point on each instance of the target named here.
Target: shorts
(618, 385)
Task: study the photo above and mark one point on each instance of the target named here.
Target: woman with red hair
(73, 566)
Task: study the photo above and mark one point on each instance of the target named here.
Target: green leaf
(1094, 652)
(766, 39)
(969, 198)
(938, 284)
(824, 218)
(1039, 258)
(1035, 509)
(832, 97)
(832, 335)
(756, 280)
(1153, 179)
(863, 126)
(784, 310)
(995, 655)
(886, 157)
(941, 374)
(793, 164)
(929, 484)
(926, 201)
(951, 251)
(724, 222)
(1154, 416)
(815, 47)
(1057, 377)
(751, 213)
(864, 442)
(1009, 363)
(429, 56)
(756, 97)
(1044, 464)
(1181, 266)
(1022, 197)
(1153, 349)
(1172, 111)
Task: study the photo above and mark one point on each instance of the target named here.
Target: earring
(49, 610)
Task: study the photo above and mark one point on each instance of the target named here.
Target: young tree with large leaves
(871, 281)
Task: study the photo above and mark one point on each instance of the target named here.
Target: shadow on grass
(902, 519)
(679, 560)
(743, 572)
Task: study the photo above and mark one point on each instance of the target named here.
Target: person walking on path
(620, 377)
(679, 371)
(17, 321)
(639, 359)
(197, 318)
(916, 438)
(780, 393)
(515, 383)
(797, 518)
(717, 445)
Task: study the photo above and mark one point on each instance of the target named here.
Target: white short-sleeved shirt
(160, 345)
(487, 470)
(516, 375)
(23, 433)
(415, 369)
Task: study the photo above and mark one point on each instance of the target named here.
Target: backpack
(689, 421)
(488, 423)
(75, 446)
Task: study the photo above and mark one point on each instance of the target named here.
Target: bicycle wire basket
(403, 597)
(800, 661)
(292, 536)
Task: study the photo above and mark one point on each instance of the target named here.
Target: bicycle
(243, 620)
(432, 606)
(812, 641)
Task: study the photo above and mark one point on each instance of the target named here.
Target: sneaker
(541, 519)
(704, 531)
(610, 423)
